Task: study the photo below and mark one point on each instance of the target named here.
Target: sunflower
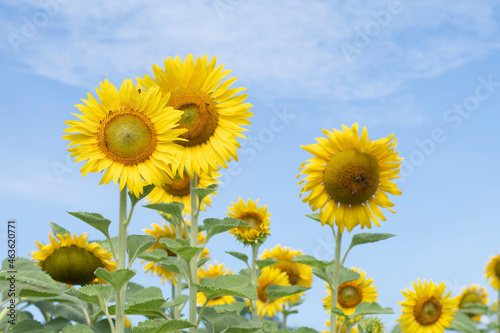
(213, 272)
(471, 295)
(344, 329)
(257, 229)
(352, 293)
(427, 310)
(493, 271)
(130, 134)
(167, 231)
(348, 177)
(268, 277)
(179, 190)
(298, 274)
(71, 260)
(212, 114)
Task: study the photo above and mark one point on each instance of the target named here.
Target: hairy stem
(193, 265)
(122, 250)
(335, 281)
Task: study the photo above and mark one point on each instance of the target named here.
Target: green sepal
(58, 230)
(275, 291)
(137, 244)
(116, 278)
(161, 326)
(218, 226)
(95, 220)
(181, 247)
(227, 285)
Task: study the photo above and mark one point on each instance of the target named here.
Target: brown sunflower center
(72, 265)
(351, 177)
(200, 117)
(253, 222)
(428, 312)
(470, 298)
(291, 269)
(262, 293)
(180, 187)
(349, 296)
(497, 269)
(127, 136)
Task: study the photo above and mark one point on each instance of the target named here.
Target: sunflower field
(162, 141)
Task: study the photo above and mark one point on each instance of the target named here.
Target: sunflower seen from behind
(167, 231)
(471, 295)
(213, 271)
(257, 219)
(132, 136)
(69, 259)
(427, 309)
(179, 190)
(493, 272)
(344, 328)
(349, 177)
(212, 113)
(298, 274)
(352, 293)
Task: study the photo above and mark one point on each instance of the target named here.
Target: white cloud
(280, 49)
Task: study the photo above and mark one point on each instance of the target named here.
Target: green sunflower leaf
(201, 193)
(177, 267)
(236, 307)
(67, 307)
(338, 312)
(145, 191)
(396, 329)
(305, 330)
(94, 294)
(369, 308)
(181, 247)
(364, 238)
(314, 217)
(151, 308)
(243, 257)
(179, 300)
(311, 261)
(116, 278)
(227, 285)
(136, 293)
(136, 244)
(94, 220)
(58, 230)
(161, 326)
(248, 327)
(155, 255)
(29, 326)
(275, 291)
(58, 323)
(463, 323)
(173, 208)
(265, 262)
(321, 274)
(216, 322)
(474, 309)
(218, 226)
(346, 275)
(77, 329)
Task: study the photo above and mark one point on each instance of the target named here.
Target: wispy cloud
(279, 48)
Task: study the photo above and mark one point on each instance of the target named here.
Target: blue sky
(426, 71)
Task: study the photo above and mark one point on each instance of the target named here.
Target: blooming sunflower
(348, 177)
(472, 294)
(130, 134)
(352, 293)
(167, 231)
(257, 229)
(427, 309)
(344, 329)
(71, 260)
(212, 113)
(268, 277)
(179, 190)
(493, 271)
(298, 274)
(213, 272)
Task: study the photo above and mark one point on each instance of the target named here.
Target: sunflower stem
(122, 249)
(193, 264)
(285, 314)
(178, 277)
(255, 250)
(335, 281)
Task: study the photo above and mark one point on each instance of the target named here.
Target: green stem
(285, 314)
(498, 312)
(335, 285)
(178, 277)
(122, 250)
(193, 264)
(255, 251)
